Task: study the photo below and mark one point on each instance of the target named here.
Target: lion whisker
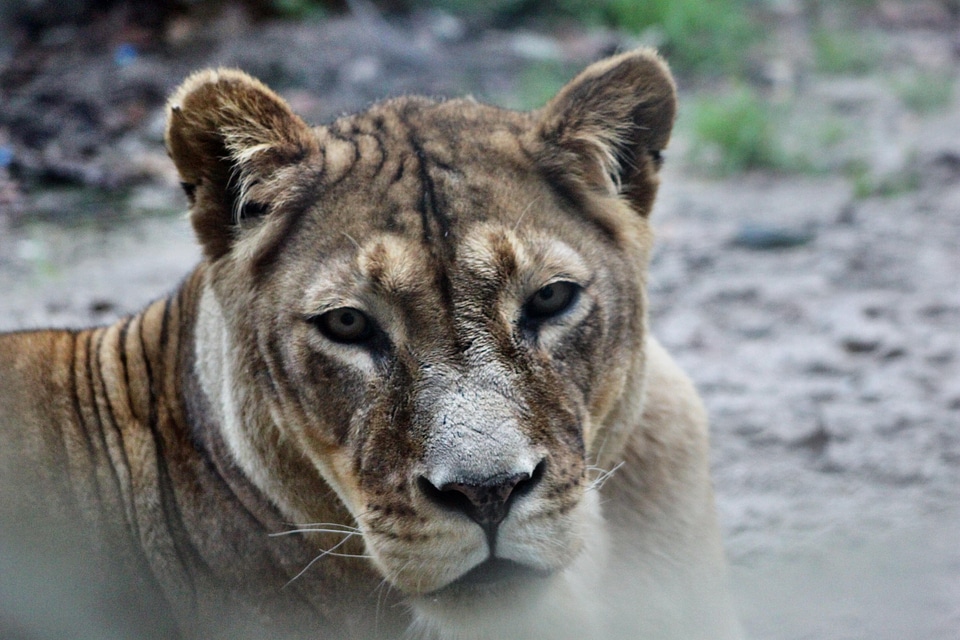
(322, 524)
(332, 551)
(351, 239)
(524, 213)
(382, 592)
(342, 532)
(364, 556)
(602, 476)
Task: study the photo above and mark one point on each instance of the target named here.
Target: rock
(815, 441)
(766, 237)
(952, 396)
(445, 26)
(819, 360)
(867, 337)
(534, 46)
(363, 70)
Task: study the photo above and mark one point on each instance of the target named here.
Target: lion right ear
(605, 129)
(226, 133)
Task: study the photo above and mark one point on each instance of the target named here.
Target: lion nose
(486, 502)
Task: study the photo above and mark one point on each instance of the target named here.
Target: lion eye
(346, 325)
(551, 300)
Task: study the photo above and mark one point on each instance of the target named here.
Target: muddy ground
(831, 368)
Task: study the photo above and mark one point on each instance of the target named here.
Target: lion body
(410, 389)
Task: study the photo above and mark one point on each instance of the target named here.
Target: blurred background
(808, 265)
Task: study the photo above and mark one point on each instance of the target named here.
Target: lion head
(427, 320)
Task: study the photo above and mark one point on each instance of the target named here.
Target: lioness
(409, 391)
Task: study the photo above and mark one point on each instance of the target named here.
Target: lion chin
(505, 600)
(500, 598)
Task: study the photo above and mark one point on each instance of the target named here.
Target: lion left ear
(226, 132)
(606, 128)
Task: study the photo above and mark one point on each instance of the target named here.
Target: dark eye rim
(571, 294)
(323, 322)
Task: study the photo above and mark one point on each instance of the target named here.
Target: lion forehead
(492, 250)
(394, 264)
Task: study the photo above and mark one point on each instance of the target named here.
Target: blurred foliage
(832, 132)
(696, 35)
(867, 184)
(539, 82)
(845, 51)
(298, 9)
(473, 7)
(702, 36)
(859, 173)
(723, 47)
(925, 92)
(735, 132)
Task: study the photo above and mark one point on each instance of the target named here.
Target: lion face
(431, 308)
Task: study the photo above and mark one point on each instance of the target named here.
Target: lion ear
(227, 132)
(606, 128)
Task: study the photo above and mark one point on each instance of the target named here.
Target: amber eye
(551, 301)
(345, 324)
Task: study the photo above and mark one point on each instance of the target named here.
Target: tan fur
(500, 398)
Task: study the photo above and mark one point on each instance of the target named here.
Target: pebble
(363, 70)
(802, 432)
(447, 27)
(819, 360)
(30, 250)
(762, 237)
(951, 395)
(125, 54)
(534, 46)
(867, 337)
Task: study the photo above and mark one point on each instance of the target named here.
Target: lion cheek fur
(250, 428)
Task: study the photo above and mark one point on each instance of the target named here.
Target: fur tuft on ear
(606, 128)
(226, 131)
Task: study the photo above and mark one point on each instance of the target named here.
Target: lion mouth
(490, 575)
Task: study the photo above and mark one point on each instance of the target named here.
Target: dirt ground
(831, 369)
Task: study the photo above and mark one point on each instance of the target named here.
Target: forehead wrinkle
(549, 257)
(340, 155)
(393, 266)
(496, 253)
(336, 282)
(491, 252)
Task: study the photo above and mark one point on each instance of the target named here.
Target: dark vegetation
(77, 77)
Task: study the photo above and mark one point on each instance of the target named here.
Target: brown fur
(177, 441)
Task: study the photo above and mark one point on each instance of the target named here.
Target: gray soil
(831, 369)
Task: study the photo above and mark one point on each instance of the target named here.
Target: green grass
(696, 35)
(299, 9)
(925, 92)
(737, 132)
(701, 36)
(844, 52)
(866, 184)
(539, 82)
(858, 172)
(832, 132)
